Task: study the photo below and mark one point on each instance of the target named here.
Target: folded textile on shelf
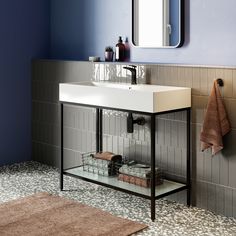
(143, 182)
(109, 156)
(97, 162)
(101, 166)
(99, 171)
(139, 170)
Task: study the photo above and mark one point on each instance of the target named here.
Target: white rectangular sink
(143, 97)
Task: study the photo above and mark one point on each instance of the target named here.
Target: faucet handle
(130, 67)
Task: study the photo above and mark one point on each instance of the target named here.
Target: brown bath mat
(44, 214)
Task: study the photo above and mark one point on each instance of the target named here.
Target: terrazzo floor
(172, 218)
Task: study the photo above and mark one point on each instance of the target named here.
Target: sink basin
(142, 97)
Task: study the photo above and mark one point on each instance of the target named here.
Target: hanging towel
(216, 123)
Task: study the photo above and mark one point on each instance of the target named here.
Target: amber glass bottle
(120, 50)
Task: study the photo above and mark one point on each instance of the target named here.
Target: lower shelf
(168, 187)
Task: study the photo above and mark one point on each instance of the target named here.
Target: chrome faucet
(133, 73)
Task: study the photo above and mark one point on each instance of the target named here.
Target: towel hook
(220, 82)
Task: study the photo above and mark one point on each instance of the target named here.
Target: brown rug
(44, 214)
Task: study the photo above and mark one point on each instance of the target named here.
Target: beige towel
(216, 123)
(108, 156)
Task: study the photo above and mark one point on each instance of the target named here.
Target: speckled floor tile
(24, 179)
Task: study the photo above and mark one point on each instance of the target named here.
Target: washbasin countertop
(124, 96)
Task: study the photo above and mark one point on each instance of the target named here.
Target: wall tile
(232, 159)
(167, 127)
(198, 194)
(45, 91)
(115, 144)
(200, 163)
(199, 105)
(211, 197)
(171, 160)
(203, 187)
(188, 76)
(203, 75)
(220, 200)
(227, 76)
(72, 158)
(234, 83)
(161, 78)
(234, 203)
(228, 202)
(174, 134)
(120, 147)
(182, 130)
(196, 82)
(174, 75)
(138, 152)
(215, 169)
(231, 111)
(183, 161)
(45, 112)
(181, 76)
(211, 76)
(45, 133)
(45, 153)
(152, 74)
(178, 158)
(164, 158)
(224, 170)
(207, 166)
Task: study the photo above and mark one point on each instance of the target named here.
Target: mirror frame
(181, 25)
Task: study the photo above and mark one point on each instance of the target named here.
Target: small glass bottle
(120, 50)
(109, 53)
(127, 50)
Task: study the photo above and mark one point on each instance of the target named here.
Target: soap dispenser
(120, 50)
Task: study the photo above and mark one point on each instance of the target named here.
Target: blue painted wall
(68, 28)
(24, 34)
(93, 24)
(81, 28)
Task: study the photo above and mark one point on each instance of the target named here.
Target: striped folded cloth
(99, 171)
(109, 156)
(138, 181)
(97, 162)
(139, 170)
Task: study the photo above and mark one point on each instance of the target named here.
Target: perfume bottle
(120, 50)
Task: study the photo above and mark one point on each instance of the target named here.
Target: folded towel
(138, 181)
(98, 163)
(109, 156)
(99, 171)
(139, 170)
(216, 123)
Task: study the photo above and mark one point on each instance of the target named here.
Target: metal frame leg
(153, 184)
(61, 160)
(97, 129)
(188, 156)
(100, 131)
(99, 135)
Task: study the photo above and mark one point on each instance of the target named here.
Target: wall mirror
(158, 23)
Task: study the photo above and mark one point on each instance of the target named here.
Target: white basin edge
(145, 100)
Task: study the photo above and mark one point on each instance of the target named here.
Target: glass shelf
(162, 190)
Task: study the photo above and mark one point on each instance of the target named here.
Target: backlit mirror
(157, 23)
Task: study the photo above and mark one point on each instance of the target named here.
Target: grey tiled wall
(214, 178)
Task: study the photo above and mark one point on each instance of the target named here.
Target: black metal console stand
(153, 194)
(153, 184)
